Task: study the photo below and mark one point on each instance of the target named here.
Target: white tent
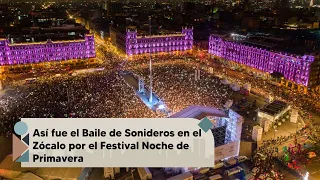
(210, 70)
(218, 76)
(225, 81)
(100, 69)
(247, 86)
(235, 87)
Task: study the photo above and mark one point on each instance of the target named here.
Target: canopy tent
(247, 86)
(225, 81)
(30, 79)
(218, 76)
(210, 70)
(235, 87)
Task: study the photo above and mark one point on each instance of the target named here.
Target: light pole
(150, 63)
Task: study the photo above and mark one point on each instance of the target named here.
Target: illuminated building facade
(158, 43)
(131, 43)
(24, 53)
(294, 68)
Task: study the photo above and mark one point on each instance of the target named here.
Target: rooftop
(274, 108)
(39, 34)
(45, 42)
(288, 43)
(48, 41)
(198, 112)
(164, 35)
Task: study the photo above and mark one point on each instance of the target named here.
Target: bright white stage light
(306, 177)
(161, 106)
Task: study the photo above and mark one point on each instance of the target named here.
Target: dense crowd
(100, 94)
(266, 144)
(105, 94)
(308, 102)
(265, 165)
(177, 86)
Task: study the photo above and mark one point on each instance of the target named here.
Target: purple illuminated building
(131, 43)
(11, 54)
(293, 67)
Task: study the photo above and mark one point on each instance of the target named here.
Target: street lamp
(298, 126)
(274, 135)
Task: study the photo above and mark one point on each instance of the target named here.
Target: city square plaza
(268, 113)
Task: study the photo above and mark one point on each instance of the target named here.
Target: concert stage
(156, 104)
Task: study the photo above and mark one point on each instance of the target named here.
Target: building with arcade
(129, 41)
(36, 52)
(298, 69)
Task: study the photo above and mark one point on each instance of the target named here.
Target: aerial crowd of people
(177, 86)
(105, 94)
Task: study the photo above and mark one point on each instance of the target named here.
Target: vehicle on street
(218, 165)
(241, 158)
(233, 171)
(203, 170)
(30, 80)
(230, 162)
(215, 177)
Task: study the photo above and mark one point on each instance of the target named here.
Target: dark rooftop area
(39, 34)
(274, 108)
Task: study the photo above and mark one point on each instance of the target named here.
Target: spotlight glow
(161, 106)
(306, 177)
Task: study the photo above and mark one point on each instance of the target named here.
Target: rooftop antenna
(150, 63)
